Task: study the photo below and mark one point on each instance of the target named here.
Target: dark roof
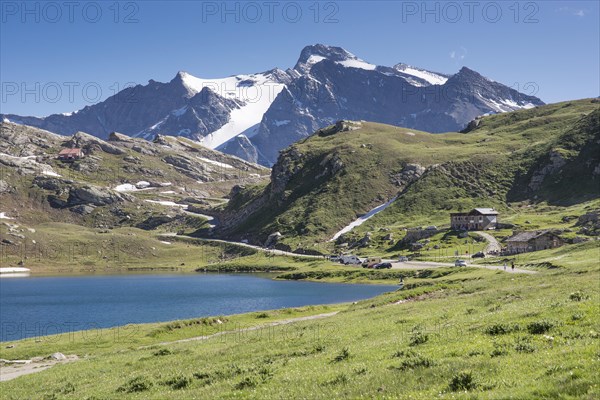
(478, 211)
(527, 236)
(485, 211)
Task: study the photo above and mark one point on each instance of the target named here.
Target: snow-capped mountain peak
(265, 112)
(311, 55)
(237, 104)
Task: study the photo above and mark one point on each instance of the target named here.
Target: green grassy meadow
(455, 333)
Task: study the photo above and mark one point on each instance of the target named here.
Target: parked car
(369, 262)
(479, 254)
(349, 259)
(403, 259)
(460, 263)
(383, 265)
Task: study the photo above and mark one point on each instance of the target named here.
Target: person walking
(505, 265)
(512, 266)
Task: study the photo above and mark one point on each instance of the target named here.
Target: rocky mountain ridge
(257, 115)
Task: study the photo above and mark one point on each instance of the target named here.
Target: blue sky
(61, 56)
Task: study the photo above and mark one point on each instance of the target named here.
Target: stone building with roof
(478, 219)
(524, 242)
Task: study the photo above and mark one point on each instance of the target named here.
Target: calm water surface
(37, 306)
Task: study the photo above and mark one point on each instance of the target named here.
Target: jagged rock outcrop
(193, 169)
(555, 163)
(4, 187)
(53, 184)
(589, 223)
(94, 196)
(240, 146)
(155, 221)
(289, 163)
(273, 239)
(409, 174)
(27, 165)
(24, 141)
(91, 144)
(415, 235)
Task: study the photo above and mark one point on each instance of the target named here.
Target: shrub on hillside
(501, 329)
(539, 327)
(499, 350)
(523, 345)
(178, 382)
(415, 361)
(578, 296)
(343, 355)
(134, 385)
(462, 381)
(418, 337)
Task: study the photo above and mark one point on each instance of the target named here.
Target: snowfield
(505, 105)
(217, 163)
(428, 76)
(126, 187)
(257, 91)
(49, 172)
(360, 220)
(357, 63)
(168, 203)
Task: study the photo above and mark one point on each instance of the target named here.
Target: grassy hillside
(547, 154)
(460, 334)
(34, 184)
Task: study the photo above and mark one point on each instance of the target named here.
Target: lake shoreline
(276, 273)
(59, 303)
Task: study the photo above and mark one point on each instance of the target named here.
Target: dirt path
(250, 246)
(17, 368)
(249, 329)
(427, 264)
(493, 244)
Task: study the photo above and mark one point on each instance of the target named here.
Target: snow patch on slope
(428, 76)
(257, 92)
(313, 59)
(217, 163)
(505, 105)
(168, 203)
(357, 63)
(360, 220)
(4, 216)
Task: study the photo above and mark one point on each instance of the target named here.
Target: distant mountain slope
(324, 182)
(275, 108)
(119, 182)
